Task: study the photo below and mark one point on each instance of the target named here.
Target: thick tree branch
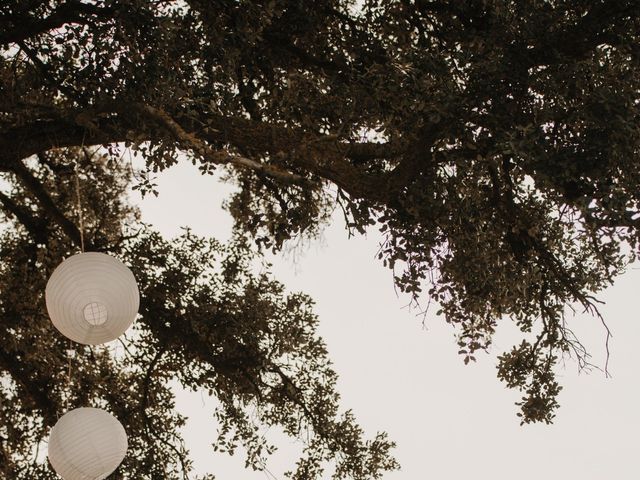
(213, 156)
(23, 141)
(418, 159)
(71, 11)
(323, 156)
(35, 226)
(38, 190)
(30, 382)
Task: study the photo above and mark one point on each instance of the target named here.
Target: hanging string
(70, 355)
(70, 351)
(79, 207)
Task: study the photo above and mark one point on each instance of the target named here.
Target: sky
(401, 374)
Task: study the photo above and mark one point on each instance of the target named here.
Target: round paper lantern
(86, 444)
(92, 298)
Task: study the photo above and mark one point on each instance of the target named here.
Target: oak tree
(493, 142)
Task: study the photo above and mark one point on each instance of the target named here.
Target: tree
(494, 143)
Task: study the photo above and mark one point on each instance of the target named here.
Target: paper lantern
(86, 444)
(92, 298)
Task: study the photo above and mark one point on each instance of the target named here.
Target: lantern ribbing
(89, 283)
(87, 443)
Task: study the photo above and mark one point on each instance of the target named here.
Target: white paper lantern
(86, 444)
(92, 298)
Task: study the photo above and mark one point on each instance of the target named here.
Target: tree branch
(23, 141)
(35, 226)
(38, 190)
(323, 156)
(213, 156)
(72, 11)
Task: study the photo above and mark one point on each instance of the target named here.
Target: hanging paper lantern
(86, 443)
(92, 298)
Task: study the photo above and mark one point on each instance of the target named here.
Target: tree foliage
(494, 143)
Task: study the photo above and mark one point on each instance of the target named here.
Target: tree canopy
(493, 142)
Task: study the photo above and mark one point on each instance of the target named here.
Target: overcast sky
(450, 421)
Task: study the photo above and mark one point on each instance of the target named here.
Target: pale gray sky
(450, 421)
